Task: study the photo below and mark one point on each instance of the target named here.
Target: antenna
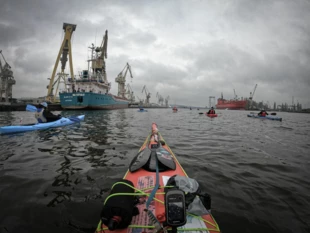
(95, 36)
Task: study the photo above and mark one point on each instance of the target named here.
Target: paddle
(74, 119)
(273, 113)
(31, 108)
(201, 113)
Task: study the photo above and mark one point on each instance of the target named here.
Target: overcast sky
(189, 49)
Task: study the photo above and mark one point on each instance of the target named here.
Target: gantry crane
(130, 94)
(6, 81)
(65, 50)
(251, 96)
(121, 80)
(166, 100)
(147, 94)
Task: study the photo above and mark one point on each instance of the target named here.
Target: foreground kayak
(39, 126)
(266, 117)
(211, 115)
(146, 180)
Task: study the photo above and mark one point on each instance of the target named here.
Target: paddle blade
(273, 113)
(75, 119)
(31, 108)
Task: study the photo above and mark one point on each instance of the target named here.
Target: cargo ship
(91, 89)
(234, 104)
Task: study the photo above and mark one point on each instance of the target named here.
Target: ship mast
(98, 56)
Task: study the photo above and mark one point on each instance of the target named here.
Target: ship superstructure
(90, 90)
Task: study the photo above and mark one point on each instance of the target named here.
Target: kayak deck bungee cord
(143, 201)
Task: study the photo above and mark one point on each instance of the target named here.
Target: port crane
(140, 101)
(160, 99)
(147, 94)
(121, 80)
(166, 100)
(251, 96)
(6, 80)
(130, 94)
(64, 51)
(236, 97)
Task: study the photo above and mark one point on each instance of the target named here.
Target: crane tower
(6, 81)
(130, 94)
(121, 80)
(64, 51)
(166, 100)
(147, 95)
(251, 96)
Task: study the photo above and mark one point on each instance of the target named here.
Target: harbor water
(256, 171)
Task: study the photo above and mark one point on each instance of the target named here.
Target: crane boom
(252, 93)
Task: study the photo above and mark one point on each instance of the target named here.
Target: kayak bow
(211, 115)
(147, 178)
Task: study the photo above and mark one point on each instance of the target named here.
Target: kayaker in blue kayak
(262, 113)
(211, 111)
(44, 115)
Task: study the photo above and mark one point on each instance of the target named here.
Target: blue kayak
(39, 126)
(268, 117)
(142, 110)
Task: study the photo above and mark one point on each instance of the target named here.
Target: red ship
(234, 104)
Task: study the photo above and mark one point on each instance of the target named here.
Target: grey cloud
(186, 49)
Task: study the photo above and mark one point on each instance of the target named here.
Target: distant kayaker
(43, 115)
(262, 113)
(211, 111)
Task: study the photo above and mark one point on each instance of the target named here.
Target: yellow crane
(121, 80)
(64, 51)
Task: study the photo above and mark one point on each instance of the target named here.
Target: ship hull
(91, 101)
(231, 104)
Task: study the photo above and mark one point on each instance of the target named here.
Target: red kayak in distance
(211, 115)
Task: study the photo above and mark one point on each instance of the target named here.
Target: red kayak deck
(211, 115)
(144, 182)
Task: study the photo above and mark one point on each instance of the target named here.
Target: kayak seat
(146, 159)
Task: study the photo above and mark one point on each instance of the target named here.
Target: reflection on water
(255, 170)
